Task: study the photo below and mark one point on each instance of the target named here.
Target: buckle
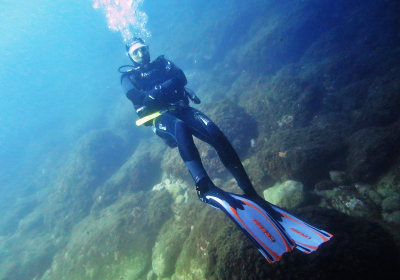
(201, 196)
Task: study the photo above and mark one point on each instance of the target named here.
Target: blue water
(57, 76)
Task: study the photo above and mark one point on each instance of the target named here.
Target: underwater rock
(285, 121)
(375, 197)
(213, 241)
(391, 203)
(179, 199)
(372, 151)
(22, 208)
(26, 255)
(325, 185)
(31, 223)
(253, 143)
(393, 218)
(98, 154)
(389, 183)
(289, 194)
(139, 173)
(353, 204)
(339, 177)
(345, 256)
(151, 275)
(100, 150)
(173, 165)
(363, 189)
(168, 246)
(176, 187)
(304, 155)
(114, 242)
(226, 113)
(159, 208)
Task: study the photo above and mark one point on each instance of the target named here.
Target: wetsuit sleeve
(136, 96)
(177, 77)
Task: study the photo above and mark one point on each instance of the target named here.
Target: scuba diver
(158, 94)
(160, 86)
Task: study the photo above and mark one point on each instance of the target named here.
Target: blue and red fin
(263, 230)
(307, 237)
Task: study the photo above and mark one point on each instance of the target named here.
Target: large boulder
(289, 194)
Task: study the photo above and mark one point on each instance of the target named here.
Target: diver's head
(138, 51)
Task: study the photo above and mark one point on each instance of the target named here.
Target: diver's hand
(192, 96)
(152, 96)
(196, 100)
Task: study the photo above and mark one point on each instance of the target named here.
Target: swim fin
(306, 237)
(270, 228)
(268, 235)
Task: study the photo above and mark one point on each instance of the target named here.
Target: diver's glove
(157, 93)
(190, 93)
(196, 100)
(154, 95)
(151, 97)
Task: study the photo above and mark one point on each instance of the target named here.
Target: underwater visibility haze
(307, 92)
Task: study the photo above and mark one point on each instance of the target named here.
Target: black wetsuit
(157, 85)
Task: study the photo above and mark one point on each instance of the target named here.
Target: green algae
(114, 242)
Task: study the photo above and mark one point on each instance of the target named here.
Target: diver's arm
(174, 77)
(177, 77)
(138, 97)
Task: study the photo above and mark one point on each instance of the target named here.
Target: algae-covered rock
(175, 187)
(372, 151)
(97, 155)
(38, 249)
(22, 208)
(389, 184)
(173, 165)
(353, 204)
(168, 246)
(375, 197)
(230, 255)
(289, 194)
(114, 242)
(363, 189)
(151, 275)
(213, 241)
(303, 154)
(339, 177)
(393, 218)
(139, 173)
(391, 203)
(226, 113)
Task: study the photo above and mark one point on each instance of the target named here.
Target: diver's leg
(206, 130)
(191, 157)
(176, 133)
(189, 152)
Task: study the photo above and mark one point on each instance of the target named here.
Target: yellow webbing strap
(148, 118)
(154, 115)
